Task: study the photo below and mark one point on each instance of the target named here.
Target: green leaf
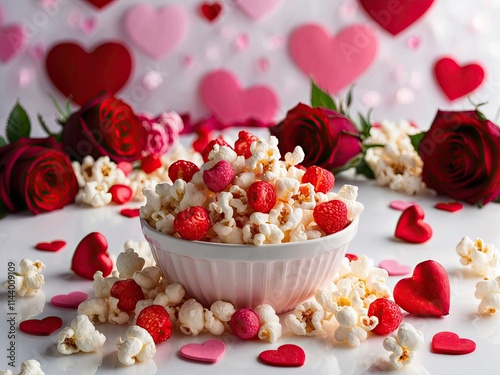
(363, 169)
(416, 139)
(319, 98)
(18, 124)
(3, 142)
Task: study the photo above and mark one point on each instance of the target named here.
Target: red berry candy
(322, 180)
(331, 216)
(156, 321)
(182, 169)
(261, 196)
(217, 141)
(128, 293)
(388, 314)
(193, 223)
(151, 163)
(243, 143)
(245, 324)
(120, 194)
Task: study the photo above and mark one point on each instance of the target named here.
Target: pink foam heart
(221, 92)
(50, 246)
(257, 9)
(400, 205)
(12, 41)
(210, 351)
(156, 31)
(450, 343)
(70, 300)
(334, 62)
(393, 268)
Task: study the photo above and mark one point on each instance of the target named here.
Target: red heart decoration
(83, 75)
(99, 3)
(50, 246)
(288, 355)
(411, 226)
(450, 343)
(210, 10)
(457, 81)
(396, 16)
(427, 292)
(91, 255)
(41, 327)
(120, 194)
(70, 300)
(351, 257)
(449, 206)
(130, 212)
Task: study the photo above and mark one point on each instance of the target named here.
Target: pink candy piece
(219, 176)
(70, 300)
(210, 351)
(400, 205)
(393, 268)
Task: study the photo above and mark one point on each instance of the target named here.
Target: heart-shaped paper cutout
(82, 76)
(400, 205)
(411, 226)
(221, 92)
(120, 194)
(333, 62)
(210, 11)
(91, 255)
(396, 16)
(13, 39)
(55, 245)
(457, 81)
(70, 300)
(257, 9)
(451, 343)
(130, 212)
(393, 268)
(288, 355)
(427, 292)
(210, 351)
(449, 206)
(99, 3)
(156, 31)
(41, 327)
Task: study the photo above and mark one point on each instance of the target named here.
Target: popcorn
(128, 263)
(29, 367)
(488, 291)
(348, 195)
(143, 249)
(138, 345)
(217, 318)
(285, 216)
(404, 343)
(81, 336)
(258, 231)
(102, 285)
(148, 278)
(173, 295)
(96, 309)
(94, 194)
(483, 258)
(264, 161)
(191, 317)
(341, 294)
(28, 280)
(102, 170)
(306, 319)
(270, 326)
(115, 315)
(348, 329)
(296, 157)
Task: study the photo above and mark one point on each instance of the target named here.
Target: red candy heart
(450, 343)
(457, 81)
(81, 75)
(449, 206)
(99, 3)
(70, 300)
(427, 292)
(120, 193)
(210, 10)
(41, 327)
(91, 255)
(130, 212)
(411, 226)
(50, 246)
(351, 257)
(288, 355)
(396, 16)
(210, 351)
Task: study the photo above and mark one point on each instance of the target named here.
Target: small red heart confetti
(449, 206)
(120, 194)
(393, 268)
(427, 292)
(41, 327)
(288, 355)
(351, 257)
(210, 11)
(70, 300)
(130, 212)
(400, 205)
(451, 343)
(411, 226)
(50, 246)
(91, 255)
(210, 351)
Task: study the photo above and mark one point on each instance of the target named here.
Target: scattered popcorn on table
(143, 249)
(217, 318)
(270, 326)
(95, 308)
(94, 194)
(29, 367)
(191, 318)
(306, 319)
(128, 263)
(81, 336)
(483, 258)
(28, 280)
(349, 329)
(138, 345)
(403, 345)
(488, 291)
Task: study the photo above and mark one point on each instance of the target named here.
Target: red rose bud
(161, 132)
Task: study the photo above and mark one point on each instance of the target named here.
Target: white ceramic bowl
(282, 275)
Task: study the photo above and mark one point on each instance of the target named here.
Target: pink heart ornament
(156, 31)
(257, 9)
(221, 92)
(13, 39)
(393, 268)
(210, 351)
(70, 300)
(334, 62)
(400, 205)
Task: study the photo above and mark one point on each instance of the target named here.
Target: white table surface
(19, 233)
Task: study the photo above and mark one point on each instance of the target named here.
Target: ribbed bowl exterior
(282, 275)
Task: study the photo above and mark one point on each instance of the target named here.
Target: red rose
(461, 155)
(329, 140)
(36, 175)
(104, 126)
